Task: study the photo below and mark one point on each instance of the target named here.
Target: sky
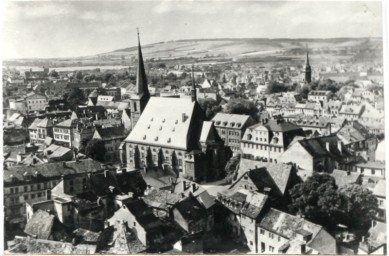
(48, 29)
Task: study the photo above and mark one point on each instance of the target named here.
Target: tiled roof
(248, 203)
(41, 246)
(40, 225)
(287, 225)
(277, 126)
(164, 122)
(343, 178)
(66, 123)
(380, 188)
(109, 133)
(230, 120)
(50, 170)
(190, 209)
(279, 172)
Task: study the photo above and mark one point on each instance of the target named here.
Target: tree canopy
(242, 106)
(316, 199)
(319, 200)
(95, 149)
(75, 98)
(359, 205)
(210, 106)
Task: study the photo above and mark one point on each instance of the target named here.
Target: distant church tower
(307, 70)
(141, 96)
(193, 91)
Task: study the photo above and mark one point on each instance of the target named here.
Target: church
(172, 134)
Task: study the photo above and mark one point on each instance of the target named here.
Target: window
(134, 224)
(271, 235)
(32, 196)
(11, 190)
(262, 231)
(39, 186)
(39, 195)
(25, 197)
(271, 248)
(25, 188)
(251, 243)
(372, 172)
(279, 239)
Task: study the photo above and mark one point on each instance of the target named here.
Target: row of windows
(61, 130)
(261, 147)
(62, 137)
(32, 196)
(32, 187)
(36, 101)
(271, 235)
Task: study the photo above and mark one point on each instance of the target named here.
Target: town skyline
(112, 25)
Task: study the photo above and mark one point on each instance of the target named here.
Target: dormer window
(160, 128)
(163, 120)
(232, 124)
(238, 124)
(173, 129)
(225, 123)
(176, 122)
(156, 138)
(217, 122)
(169, 140)
(148, 127)
(144, 137)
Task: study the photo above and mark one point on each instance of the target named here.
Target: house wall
(269, 242)
(298, 155)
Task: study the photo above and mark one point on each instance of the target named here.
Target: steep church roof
(141, 88)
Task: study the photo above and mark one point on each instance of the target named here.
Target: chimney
(62, 177)
(339, 146)
(194, 187)
(266, 190)
(327, 146)
(19, 157)
(302, 246)
(184, 185)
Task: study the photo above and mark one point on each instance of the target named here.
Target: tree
(53, 73)
(95, 149)
(210, 106)
(241, 106)
(75, 98)
(275, 87)
(79, 75)
(359, 205)
(232, 167)
(106, 77)
(317, 199)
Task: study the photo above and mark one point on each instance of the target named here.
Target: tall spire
(307, 69)
(307, 58)
(193, 93)
(141, 79)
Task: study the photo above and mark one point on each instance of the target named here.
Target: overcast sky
(63, 29)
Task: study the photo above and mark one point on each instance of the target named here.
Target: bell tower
(307, 70)
(141, 96)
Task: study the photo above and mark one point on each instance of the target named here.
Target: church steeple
(307, 69)
(307, 58)
(141, 79)
(193, 92)
(141, 95)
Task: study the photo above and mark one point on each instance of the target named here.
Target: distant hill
(228, 47)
